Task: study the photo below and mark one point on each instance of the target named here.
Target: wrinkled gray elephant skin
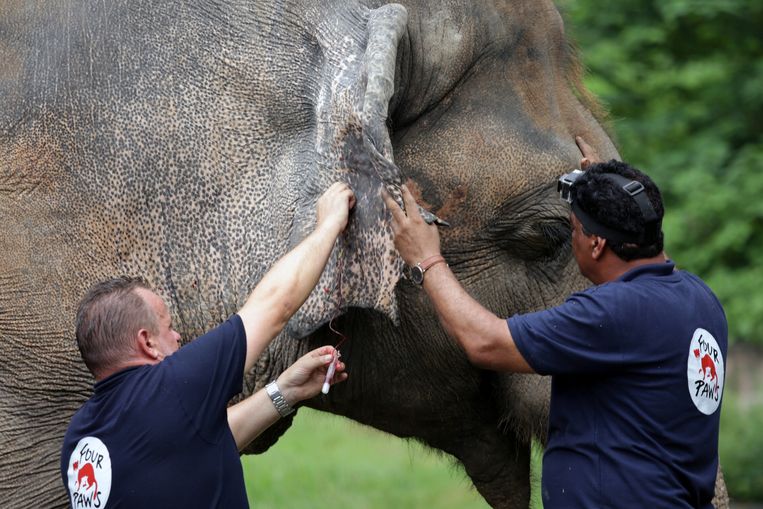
(188, 142)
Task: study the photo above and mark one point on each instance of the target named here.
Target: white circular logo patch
(89, 474)
(705, 372)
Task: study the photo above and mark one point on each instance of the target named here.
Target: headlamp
(565, 182)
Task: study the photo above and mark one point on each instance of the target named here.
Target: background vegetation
(683, 83)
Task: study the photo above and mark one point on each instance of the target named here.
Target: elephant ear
(353, 145)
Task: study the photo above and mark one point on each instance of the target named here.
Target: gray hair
(108, 318)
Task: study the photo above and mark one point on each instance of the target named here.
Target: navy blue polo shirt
(637, 369)
(158, 435)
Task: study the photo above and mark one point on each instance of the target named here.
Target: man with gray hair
(156, 432)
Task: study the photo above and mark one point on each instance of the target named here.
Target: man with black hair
(156, 432)
(637, 361)
(594, 193)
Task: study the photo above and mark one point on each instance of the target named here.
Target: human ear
(597, 247)
(146, 344)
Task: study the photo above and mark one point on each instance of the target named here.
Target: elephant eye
(534, 240)
(533, 226)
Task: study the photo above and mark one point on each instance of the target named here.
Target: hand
(334, 206)
(304, 379)
(590, 156)
(415, 240)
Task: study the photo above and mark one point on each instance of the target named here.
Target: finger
(321, 351)
(318, 358)
(316, 364)
(410, 204)
(338, 188)
(397, 213)
(587, 150)
(395, 228)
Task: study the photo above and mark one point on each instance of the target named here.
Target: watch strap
(417, 271)
(428, 262)
(282, 406)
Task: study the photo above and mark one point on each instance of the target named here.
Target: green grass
(328, 461)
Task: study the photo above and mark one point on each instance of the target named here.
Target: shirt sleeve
(577, 337)
(208, 372)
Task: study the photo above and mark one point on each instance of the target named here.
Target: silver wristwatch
(283, 407)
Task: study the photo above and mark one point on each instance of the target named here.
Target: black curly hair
(609, 205)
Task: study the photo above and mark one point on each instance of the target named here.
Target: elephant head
(481, 119)
(188, 141)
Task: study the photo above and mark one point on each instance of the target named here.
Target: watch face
(417, 275)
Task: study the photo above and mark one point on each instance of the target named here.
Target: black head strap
(636, 191)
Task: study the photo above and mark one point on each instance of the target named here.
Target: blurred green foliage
(740, 448)
(683, 83)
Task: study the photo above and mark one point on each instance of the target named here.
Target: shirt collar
(113, 380)
(653, 269)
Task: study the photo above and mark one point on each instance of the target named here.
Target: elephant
(187, 142)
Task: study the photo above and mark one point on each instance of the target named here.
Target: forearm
(485, 337)
(249, 418)
(289, 282)
(284, 289)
